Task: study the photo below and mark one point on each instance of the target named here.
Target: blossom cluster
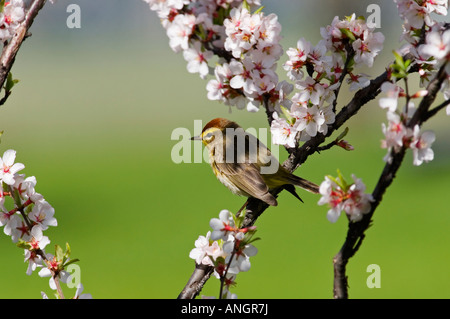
(417, 15)
(245, 45)
(253, 40)
(341, 196)
(397, 133)
(318, 71)
(227, 248)
(27, 221)
(10, 17)
(434, 54)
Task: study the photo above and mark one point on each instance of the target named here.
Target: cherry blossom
(342, 196)
(309, 89)
(367, 47)
(197, 59)
(391, 101)
(222, 226)
(307, 118)
(38, 240)
(42, 214)
(199, 253)
(394, 132)
(283, 133)
(179, 32)
(437, 45)
(13, 14)
(421, 146)
(241, 257)
(8, 168)
(297, 59)
(358, 81)
(79, 295)
(228, 249)
(27, 217)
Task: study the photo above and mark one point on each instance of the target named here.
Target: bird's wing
(247, 177)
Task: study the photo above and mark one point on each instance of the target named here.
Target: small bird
(245, 165)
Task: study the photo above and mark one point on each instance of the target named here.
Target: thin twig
(224, 277)
(408, 97)
(433, 112)
(5, 97)
(327, 147)
(350, 55)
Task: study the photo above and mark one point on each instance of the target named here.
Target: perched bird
(245, 165)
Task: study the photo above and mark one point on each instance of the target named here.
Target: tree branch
(256, 207)
(195, 284)
(9, 51)
(434, 111)
(355, 233)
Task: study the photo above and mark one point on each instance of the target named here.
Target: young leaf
(23, 244)
(245, 5)
(59, 252)
(259, 10)
(342, 183)
(340, 137)
(288, 116)
(349, 34)
(398, 59)
(67, 253)
(71, 262)
(10, 82)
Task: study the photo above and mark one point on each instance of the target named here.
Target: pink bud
(345, 145)
(420, 93)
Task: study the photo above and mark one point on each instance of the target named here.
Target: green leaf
(238, 219)
(349, 34)
(348, 18)
(10, 82)
(343, 184)
(23, 244)
(67, 253)
(2, 5)
(407, 63)
(59, 252)
(333, 179)
(400, 66)
(340, 137)
(71, 262)
(28, 209)
(219, 260)
(245, 5)
(416, 32)
(399, 62)
(253, 239)
(201, 33)
(286, 113)
(259, 10)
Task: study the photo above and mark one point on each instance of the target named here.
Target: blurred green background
(92, 119)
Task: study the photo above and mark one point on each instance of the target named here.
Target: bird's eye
(208, 137)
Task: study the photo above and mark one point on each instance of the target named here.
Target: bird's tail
(303, 183)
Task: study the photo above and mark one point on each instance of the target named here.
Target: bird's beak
(196, 138)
